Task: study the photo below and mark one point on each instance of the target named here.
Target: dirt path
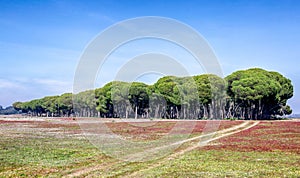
(211, 137)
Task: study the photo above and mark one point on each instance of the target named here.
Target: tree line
(8, 110)
(245, 94)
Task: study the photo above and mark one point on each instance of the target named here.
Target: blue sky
(41, 41)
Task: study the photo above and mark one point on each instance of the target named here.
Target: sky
(41, 42)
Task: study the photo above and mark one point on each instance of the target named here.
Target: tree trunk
(156, 111)
(136, 109)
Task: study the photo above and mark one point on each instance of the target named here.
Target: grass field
(57, 147)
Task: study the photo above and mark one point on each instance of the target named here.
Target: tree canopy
(245, 94)
(259, 94)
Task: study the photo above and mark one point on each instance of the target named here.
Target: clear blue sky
(41, 41)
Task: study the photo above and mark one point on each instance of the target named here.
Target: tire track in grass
(220, 134)
(85, 171)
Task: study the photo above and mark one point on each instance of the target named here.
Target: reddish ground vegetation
(266, 136)
(141, 130)
(51, 125)
(217, 125)
(15, 122)
(160, 128)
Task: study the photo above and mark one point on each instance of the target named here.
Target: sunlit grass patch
(218, 163)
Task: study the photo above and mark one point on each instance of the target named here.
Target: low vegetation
(51, 147)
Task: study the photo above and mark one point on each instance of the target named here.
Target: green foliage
(138, 97)
(65, 103)
(259, 94)
(246, 94)
(85, 104)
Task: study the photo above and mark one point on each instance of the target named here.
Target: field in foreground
(58, 147)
